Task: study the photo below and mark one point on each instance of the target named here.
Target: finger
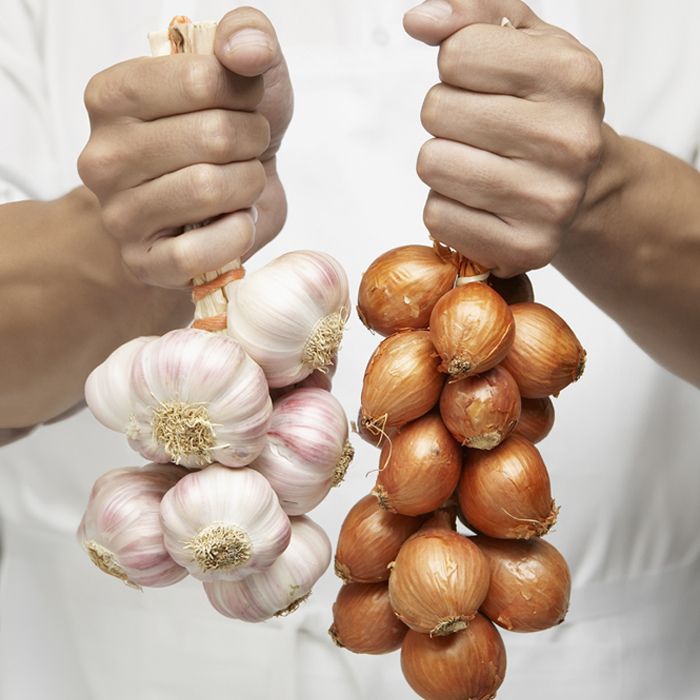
(175, 261)
(484, 238)
(246, 42)
(151, 88)
(127, 155)
(500, 124)
(434, 20)
(188, 196)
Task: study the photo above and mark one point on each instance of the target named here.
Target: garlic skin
(191, 397)
(121, 529)
(307, 450)
(290, 314)
(284, 586)
(224, 524)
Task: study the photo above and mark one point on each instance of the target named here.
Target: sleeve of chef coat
(27, 155)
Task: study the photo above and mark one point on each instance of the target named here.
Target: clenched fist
(180, 139)
(518, 126)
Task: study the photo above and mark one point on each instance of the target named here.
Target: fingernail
(248, 38)
(254, 214)
(436, 10)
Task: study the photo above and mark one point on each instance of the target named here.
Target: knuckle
(255, 178)
(561, 201)
(583, 70)
(116, 219)
(428, 164)
(432, 108)
(217, 135)
(98, 164)
(180, 257)
(433, 217)
(135, 261)
(449, 58)
(261, 132)
(101, 94)
(536, 250)
(205, 186)
(199, 80)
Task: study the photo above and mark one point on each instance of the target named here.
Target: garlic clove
(224, 524)
(279, 590)
(121, 529)
(290, 315)
(307, 450)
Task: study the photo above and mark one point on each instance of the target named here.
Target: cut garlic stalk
(224, 524)
(121, 530)
(290, 315)
(284, 586)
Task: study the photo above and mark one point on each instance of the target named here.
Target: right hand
(179, 139)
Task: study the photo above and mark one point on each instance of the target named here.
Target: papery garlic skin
(107, 389)
(224, 524)
(121, 529)
(193, 398)
(307, 450)
(284, 586)
(290, 314)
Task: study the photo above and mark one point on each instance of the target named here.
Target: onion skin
(472, 329)
(514, 290)
(419, 467)
(536, 419)
(401, 287)
(402, 381)
(468, 665)
(364, 621)
(481, 411)
(506, 493)
(369, 540)
(530, 584)
(438, 582)
(371, 434)
(546, 355)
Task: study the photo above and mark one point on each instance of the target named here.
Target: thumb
(246, 43)
(434, 20)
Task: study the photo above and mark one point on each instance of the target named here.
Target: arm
(524, 172)
(69, 299)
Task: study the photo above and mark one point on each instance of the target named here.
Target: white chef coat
(623, 456)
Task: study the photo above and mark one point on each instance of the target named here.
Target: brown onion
(419, 467)
(402, 381)
(371, 434)
(467, 665)
(481, 411)
(401, 287)
(546, 355)
(472, 329)
(364, 621)
(438, 582)
(536, 419)
(530, 584)
(443, 518)
(506, 492)
(369, 540)
(515, 289)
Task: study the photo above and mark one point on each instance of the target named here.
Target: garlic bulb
(121, 530)
(290, 315)
(224, 523)
(307, 449)
(284, 586)
(191, 397)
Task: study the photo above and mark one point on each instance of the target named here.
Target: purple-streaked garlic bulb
(290, 315)
(224, 524)
(190, 397)
(307, 450)
(121, 529)
(284, 586)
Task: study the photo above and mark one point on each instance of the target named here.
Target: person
(522, 171)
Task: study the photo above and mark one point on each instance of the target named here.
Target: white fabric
(623, 456)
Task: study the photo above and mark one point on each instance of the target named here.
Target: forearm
(634, 250)
(67, 303)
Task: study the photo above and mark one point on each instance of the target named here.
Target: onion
(536, 419)
(372, 434)
(472, 329)
(420, 467)
(364, 621)
(546, 355)
(469, 664)
(515, 289)
(402, 381)
(481, 411)
(369, 540)
(506, 492)
(438, 582)
(444, 519)
(530, 584)
(401, 287)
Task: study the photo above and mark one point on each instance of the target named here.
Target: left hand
(518, 127)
